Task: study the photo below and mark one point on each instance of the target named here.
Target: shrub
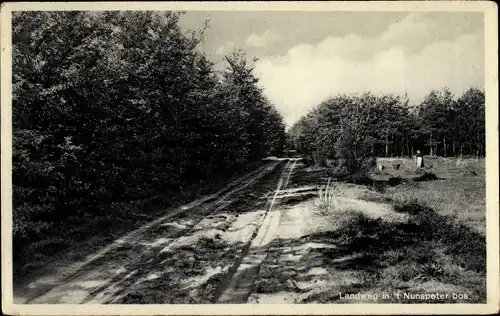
(466, 246)
(325, 200)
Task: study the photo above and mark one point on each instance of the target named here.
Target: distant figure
(420, 159)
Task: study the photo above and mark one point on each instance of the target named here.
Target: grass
(452, 186)
(428, 253)
(440, 248)
(326, 197)
(458, 195)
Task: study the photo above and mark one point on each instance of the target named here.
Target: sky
(306, 57)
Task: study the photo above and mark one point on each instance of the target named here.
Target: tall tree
(112, 107)
(435, 113)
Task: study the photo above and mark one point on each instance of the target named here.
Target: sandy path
(293, 270)
(85, 280)
(195, 271)
(243, 244)
(239, 286)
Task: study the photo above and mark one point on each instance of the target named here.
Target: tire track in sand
(96, 272)
(239, 282)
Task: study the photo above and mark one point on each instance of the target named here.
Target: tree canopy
(120, 106)
(386, 126)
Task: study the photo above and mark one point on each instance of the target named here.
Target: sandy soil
(249, 243)
(294, 269)
(84, 281)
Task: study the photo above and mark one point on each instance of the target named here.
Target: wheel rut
(238, 283)
(110, 266)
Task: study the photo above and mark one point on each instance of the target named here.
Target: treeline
(120, 106)
(386, 126)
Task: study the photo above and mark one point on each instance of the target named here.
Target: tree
(113, 107)
(469, 123)
(435, 116)
(391, 127)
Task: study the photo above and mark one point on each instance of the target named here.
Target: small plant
(326, 197)
(431, 270)
(470, 172)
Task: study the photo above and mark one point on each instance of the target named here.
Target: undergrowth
(429, 247)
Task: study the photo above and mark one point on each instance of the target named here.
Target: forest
(111, 109)
(359, 126)
(117, 107)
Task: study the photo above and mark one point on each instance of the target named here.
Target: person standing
(419, 159)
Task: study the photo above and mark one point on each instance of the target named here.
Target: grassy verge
(462, 197)
(440, 248)
(429, 253)
(459, 191)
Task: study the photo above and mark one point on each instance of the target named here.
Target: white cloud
(414, 26)
(390, 63)
(269, 36)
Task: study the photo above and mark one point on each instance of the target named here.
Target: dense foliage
(355, 127)
(120, 106)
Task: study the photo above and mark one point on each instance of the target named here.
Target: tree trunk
(444, 146)
(387, 147)
(478, 143)
(431, 146)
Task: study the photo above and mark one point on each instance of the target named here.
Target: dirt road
(217, 249)
(142, 256)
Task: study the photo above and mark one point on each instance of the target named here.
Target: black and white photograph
(258, 157)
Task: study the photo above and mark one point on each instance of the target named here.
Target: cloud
(418, 29)
(406, 58)
(415, 26)
(228, 47)
(269, 36)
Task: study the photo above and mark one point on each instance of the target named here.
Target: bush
(427, 176)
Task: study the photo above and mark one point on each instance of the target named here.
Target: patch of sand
(302, 260)
(295, 221)
(275, 298)
(157, 243)
(177, 225)
(370, 209)
(243, 227)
